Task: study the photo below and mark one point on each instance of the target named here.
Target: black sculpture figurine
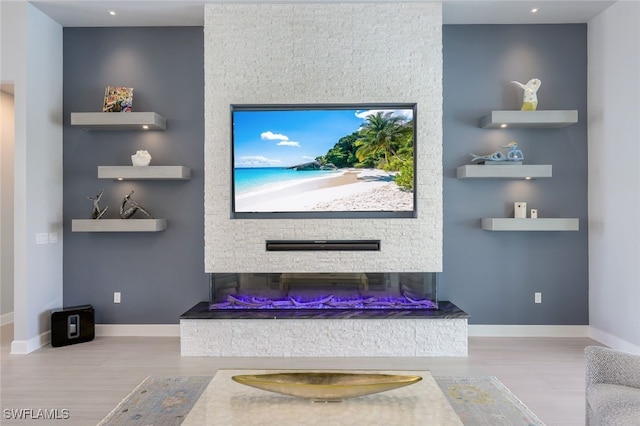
(97, 213)
(126, 214)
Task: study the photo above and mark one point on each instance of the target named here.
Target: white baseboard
(6, 319)
(487, 330)
(149, 330)
(23, 347)
(613, 342)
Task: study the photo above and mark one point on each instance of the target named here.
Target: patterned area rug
(485, 401)
(167, 400)
(158, 401)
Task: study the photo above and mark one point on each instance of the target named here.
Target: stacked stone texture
(323, 53)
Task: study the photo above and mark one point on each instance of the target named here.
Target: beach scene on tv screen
(323, 160)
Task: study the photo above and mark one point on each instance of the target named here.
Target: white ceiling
(94, 13)
(519, 11)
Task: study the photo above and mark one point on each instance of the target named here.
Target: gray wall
(493, 275)
(160, 275)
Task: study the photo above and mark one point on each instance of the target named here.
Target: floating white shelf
(144, 173)
(503, 171)
(118, 120)
(540, 224)
(118, 225)
(529, 119)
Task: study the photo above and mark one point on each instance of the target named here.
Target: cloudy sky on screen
(284, 138)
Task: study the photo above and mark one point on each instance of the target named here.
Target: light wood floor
(90, 379)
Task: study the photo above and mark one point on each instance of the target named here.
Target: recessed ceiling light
(145, 127)
(502, 126)
(534, 10)
(112, 12)
(528, 178)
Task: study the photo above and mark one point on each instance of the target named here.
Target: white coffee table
(225, 402)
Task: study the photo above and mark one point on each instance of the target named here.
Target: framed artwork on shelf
(118, 99)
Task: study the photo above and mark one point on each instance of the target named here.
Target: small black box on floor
(72, 325)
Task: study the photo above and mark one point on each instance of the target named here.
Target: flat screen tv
(323, 161)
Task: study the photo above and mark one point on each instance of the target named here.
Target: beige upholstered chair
(612, 387)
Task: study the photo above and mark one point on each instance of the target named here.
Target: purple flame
(325, 302)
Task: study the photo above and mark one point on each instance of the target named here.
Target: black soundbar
(323, 245)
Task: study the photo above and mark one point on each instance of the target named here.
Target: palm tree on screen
(383, 134)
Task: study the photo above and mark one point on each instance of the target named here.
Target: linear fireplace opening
(324, 291)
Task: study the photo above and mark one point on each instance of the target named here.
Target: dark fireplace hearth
(323, 291)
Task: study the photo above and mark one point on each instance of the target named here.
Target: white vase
(520, 210)
(141, 158)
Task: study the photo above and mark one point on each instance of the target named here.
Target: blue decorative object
(513, 155)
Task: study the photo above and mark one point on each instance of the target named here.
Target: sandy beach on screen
(351, 190)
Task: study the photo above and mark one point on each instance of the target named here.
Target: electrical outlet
(42, 239)
(537, 297)
(116, 297)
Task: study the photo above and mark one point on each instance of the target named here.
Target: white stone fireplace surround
(322, 53)
(396, 337)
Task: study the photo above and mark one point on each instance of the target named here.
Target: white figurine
(141, 158)
(530, 98)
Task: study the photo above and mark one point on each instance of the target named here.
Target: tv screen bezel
(356, 214)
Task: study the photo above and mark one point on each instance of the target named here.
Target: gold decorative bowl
(326, 386)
